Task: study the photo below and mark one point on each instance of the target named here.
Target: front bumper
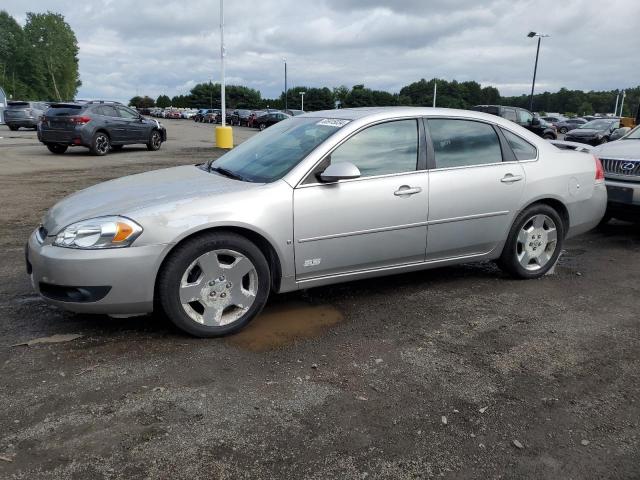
(624, 199)
(108, 281)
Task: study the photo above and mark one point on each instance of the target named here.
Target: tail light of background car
(80, 120)
(599, 170)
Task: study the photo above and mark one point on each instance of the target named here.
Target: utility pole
(622, 103)
(286, 106)
(615, 110)
(302, 100)
(435, 91)
(535, 68)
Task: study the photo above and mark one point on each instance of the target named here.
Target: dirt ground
(452, 373)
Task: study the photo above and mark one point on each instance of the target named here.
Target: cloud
(153, 47)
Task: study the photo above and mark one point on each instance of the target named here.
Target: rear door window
(522, 149)
(463, 143)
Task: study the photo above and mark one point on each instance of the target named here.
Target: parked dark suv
(522, 117)
(23, 114)
(99, 126)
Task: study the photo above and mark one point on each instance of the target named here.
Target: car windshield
(633, 134)
(597, 124)
(269, 155)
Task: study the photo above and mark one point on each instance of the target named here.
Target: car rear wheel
(262, 126)
(214, 284)
(57, 148)
(563, 130)
(101, 144)
(548, 136)
(13, 128)
(534, 242)
(155, 141)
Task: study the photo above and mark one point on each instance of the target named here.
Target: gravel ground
(453, 373)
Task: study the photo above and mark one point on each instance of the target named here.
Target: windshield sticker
(333, 122)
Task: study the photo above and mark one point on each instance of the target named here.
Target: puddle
(283, 324)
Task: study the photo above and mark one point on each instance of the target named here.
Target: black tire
(548, 136)
(100, 144)
(155, 141)
(604, 140)
(57, 148)
(563, 130)
(262, 126)
(116, 148)
(13, 128)
(170, 276)
(508, 260)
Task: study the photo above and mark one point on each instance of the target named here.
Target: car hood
(126, 195)
(584, 132)
(623, 149)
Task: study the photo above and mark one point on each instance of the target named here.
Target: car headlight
(102, 232)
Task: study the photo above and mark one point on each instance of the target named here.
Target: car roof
(364, 112)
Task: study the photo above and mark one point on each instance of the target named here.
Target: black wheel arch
(557, 205)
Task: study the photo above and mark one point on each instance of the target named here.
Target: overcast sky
(150, 47)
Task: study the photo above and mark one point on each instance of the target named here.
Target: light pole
(535, 68)
(285, 83)
(224, 134)
(302, 100)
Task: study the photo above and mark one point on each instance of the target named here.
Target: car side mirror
(339, 171)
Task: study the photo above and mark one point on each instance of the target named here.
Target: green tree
(54, 48)
(163, 101)
(142, 102)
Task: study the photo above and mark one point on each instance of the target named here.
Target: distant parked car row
(522, 117)
(241, 117)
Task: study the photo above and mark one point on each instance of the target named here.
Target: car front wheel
(563, 130)
(57, 148)
(262, 126)
(534, 243)
(214, 284)
(155, 141)
(101, 144)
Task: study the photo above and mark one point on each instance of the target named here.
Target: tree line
(40, 60)
(450, 94)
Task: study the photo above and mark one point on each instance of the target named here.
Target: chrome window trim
(360, 179)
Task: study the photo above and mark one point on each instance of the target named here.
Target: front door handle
(407, 190)
(510, 178)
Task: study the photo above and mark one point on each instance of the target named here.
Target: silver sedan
(317, 199)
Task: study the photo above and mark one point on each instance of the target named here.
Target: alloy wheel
(102, 144)
(218, 287)
(537, 242)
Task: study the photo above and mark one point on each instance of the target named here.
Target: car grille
(627, 168)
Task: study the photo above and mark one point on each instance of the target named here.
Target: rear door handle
(510, 178)
(407, 190)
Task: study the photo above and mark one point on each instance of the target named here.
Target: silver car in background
(317, 199)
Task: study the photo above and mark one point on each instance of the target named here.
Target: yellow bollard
(224, 137)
